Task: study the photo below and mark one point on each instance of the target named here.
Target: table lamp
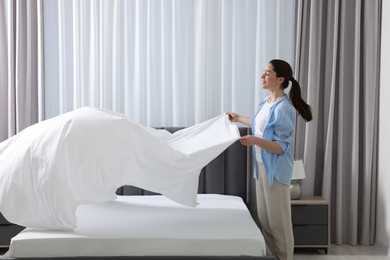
(297, 176)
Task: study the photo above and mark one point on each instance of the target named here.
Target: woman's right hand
(232, 116)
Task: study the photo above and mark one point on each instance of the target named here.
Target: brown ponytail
(283, 69)
(300, 105)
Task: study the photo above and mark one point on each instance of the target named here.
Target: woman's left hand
(248, 140)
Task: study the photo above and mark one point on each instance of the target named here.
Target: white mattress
(149, 225)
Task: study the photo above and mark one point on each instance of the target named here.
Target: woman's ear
(281, 80)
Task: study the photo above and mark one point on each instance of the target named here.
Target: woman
(272, 128)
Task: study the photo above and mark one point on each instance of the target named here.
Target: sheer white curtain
(162, 63)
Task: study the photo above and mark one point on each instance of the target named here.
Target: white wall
(383, 202)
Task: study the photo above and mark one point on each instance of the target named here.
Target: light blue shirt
(279, 128)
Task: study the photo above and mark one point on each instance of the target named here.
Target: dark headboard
(229, 173)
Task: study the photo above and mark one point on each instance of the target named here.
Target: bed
(144, 225)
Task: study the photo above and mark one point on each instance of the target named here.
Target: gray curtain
(21, 66)
(337, 64)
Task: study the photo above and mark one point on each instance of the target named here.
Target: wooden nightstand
(311, 222)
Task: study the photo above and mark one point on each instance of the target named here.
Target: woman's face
(269, 79)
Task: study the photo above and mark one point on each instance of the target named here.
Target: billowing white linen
(83, 156)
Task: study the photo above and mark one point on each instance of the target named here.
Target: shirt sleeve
(284, 127)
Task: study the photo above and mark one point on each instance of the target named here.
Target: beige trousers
(274, 210)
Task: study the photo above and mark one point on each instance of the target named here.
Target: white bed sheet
(85, 155)
(149, 225)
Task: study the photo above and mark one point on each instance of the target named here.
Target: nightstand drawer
(310, 234)
(309, 214)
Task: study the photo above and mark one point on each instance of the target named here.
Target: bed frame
(230, 173)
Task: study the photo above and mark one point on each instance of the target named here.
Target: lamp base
(295, 189)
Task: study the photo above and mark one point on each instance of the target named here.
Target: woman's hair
(283, 69)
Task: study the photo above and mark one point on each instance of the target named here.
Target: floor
(342, 252)
(335, 252)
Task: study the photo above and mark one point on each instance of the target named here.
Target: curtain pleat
(21, 81)
(338, 67)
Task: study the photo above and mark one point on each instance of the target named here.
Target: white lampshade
(298, 170)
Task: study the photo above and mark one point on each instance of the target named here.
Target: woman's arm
(282, 135)
(250, 140)
(269, 146)
(241, 119)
